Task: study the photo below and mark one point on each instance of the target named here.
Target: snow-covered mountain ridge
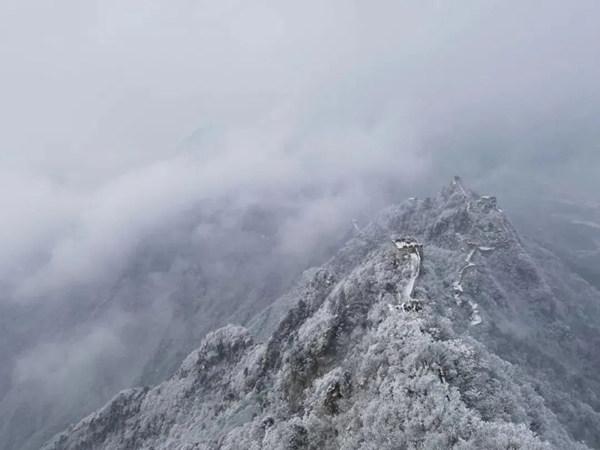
(481, 341)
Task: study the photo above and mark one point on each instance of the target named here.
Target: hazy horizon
(124, 121)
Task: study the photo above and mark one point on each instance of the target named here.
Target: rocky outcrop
(344, 367)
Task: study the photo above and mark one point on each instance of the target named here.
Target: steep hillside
(67, 353)
(435, 326)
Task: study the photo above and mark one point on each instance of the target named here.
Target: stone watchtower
(408, 245)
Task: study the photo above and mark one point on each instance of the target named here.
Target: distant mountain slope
(493, 347)
(570, 227)
(66, 354)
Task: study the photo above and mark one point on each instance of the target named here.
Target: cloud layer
(132, 122)
(276, 96)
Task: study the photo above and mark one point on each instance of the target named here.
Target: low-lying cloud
(132, 122)
(286, 98)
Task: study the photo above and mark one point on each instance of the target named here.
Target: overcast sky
(121, 119)
(117, 114)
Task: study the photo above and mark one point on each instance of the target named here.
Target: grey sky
(98, 97)
(121, 120)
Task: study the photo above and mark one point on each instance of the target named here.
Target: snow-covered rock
(335, 364)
